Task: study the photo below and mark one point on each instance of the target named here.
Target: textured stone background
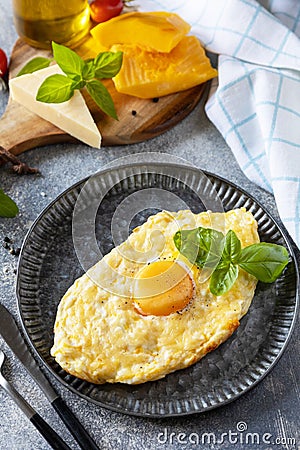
(271, 407)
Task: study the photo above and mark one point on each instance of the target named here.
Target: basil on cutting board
(78, 74)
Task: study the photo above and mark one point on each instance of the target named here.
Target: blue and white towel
(255, 102)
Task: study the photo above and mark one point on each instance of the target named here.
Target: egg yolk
(162, 288)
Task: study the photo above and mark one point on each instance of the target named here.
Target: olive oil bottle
(39, 22)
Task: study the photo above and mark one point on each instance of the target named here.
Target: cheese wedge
(150, 74)
(72, 116)
(156, 30)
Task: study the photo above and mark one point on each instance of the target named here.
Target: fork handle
(48, 433)
(79, 433)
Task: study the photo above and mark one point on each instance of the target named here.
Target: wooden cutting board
(139, 119)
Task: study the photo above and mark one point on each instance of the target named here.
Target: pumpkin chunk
(149, 74)
(159, 30)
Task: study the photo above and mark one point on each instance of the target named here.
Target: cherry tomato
(3, 63)
(102, 10)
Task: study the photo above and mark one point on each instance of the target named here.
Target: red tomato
(3, 63)
(102, 10)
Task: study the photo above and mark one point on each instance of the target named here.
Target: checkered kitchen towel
(255, 102)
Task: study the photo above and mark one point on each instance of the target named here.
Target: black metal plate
(48, 265)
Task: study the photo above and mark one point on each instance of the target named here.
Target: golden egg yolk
(162, 288)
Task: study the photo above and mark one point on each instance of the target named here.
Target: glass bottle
(39, 22)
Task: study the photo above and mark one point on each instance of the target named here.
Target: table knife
(14, 339)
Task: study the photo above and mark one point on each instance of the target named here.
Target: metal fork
(46, 431)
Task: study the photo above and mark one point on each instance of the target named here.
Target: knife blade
(14, 339)
(12, 336)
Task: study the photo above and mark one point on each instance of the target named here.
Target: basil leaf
(187, 242)
(223, 279)
(232, 247)
(69, 62)
(211, 241)
(88, 71)
(264, 261)
(108, 64)
(201, 246)
(102, 97)
(8, 208)
(35, 64)
(55, 89)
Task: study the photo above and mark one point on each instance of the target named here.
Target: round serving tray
(48, 265)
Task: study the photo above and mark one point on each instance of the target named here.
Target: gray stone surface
(271, 407)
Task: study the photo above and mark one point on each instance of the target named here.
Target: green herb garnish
(56, 88)
(224, 256)
(35, 64)
(8, 208)
(59, 88)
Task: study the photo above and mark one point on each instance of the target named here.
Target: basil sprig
(8, 207)
(78, 74)
(201, 246)
(224, 256)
